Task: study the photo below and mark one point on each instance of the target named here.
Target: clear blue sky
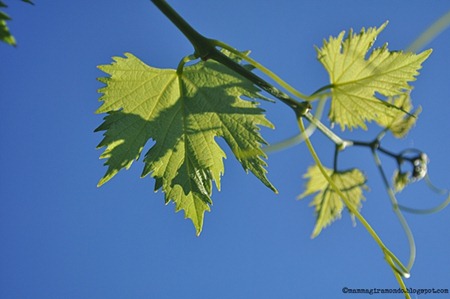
(62, 237)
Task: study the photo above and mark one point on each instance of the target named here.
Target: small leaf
(328, 204)
(183, 114)
(400, 123)
(401, 180)
(356, 81)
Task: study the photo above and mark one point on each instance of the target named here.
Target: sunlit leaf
(183, 114)
(359, 84)
(401, 180)
(400, 123)
(327, 203)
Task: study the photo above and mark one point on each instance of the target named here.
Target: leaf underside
(327, 203)
(359, 85)
(182, 114)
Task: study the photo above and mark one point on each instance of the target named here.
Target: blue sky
(62, 237)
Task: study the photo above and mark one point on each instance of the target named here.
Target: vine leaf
(401, 180)
(357, 83)
(400, 123)
(328, 204)
(182, 114)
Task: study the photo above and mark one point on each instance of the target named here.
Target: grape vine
(216, 95)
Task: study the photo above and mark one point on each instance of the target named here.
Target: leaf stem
(342, 144)
(205, 49)
(183, 61)
(263, 69)
(301, 107)
(335, 158)
(318, 93)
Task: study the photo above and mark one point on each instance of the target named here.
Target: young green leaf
(400, 123)
(328, 205)
(401, 180)
(182, 113)
(356, 81)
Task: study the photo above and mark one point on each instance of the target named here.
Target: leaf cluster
(183, 111)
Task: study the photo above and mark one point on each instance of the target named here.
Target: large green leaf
(359, 84)
(328, 204)
(183, 114)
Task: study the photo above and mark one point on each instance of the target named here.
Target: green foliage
(327, 203)
(357, 82)
(184, 110)
(400, 180)
(183, 113)
(5, 34)
(400, 123)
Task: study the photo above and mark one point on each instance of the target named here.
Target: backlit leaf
(327, 203)
(359, 84)
(183, 115)
(400, 123)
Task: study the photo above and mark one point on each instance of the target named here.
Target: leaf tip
(426, 53)
(315, 232)
(109, 175)
(100, 183)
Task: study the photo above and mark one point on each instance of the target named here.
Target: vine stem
(392, 260)
(205, 49)
(342, 144)
(318, 94)
(263, 69)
